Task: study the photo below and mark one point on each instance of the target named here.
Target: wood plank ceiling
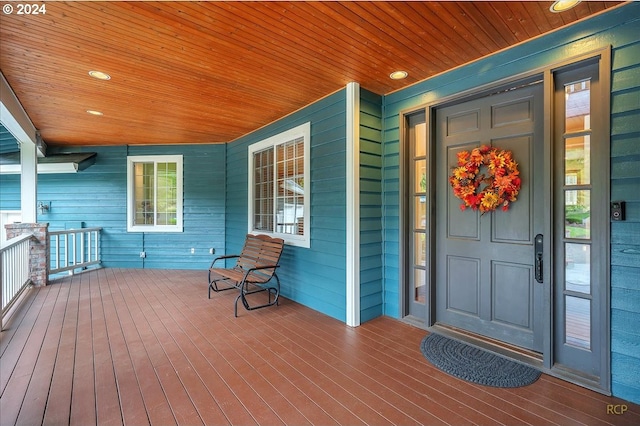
(209, 72)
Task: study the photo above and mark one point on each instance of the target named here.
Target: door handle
(538, 260)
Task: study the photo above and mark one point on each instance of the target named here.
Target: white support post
(28, 182)
(353, 205)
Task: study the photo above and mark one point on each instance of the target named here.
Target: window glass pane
(578, 322)
(143, 193)
(420, 212)
(290, 187)
(263, 190)
(420, 178)
(420, 249)
(420, 140)
(577, 106)
(577, 214)
(166, 194)
(577, 160)
(420, 285)
(577, 267)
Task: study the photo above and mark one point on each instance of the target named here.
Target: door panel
(487, 284)
(463, 291)
(512, 294)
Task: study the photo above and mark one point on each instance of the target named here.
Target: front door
(486, 262)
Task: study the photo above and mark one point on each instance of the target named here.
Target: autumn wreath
(500, 185)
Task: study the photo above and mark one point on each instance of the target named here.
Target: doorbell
(617, 210)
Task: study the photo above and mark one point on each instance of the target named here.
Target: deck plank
(106, 389)
(36, 381)
(132, 346)
(83, 397)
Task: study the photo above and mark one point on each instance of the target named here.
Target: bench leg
(270, 290)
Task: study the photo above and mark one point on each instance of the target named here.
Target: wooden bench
(253, 272)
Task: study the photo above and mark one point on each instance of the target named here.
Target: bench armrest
(257, 268)
(228, 256)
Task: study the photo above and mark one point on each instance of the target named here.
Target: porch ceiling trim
(57, 163)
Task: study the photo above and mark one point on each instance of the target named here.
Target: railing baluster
(77, 255)
(88, 246)
(14, 262)
(57, 237)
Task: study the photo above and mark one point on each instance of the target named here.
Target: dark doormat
(476, 365)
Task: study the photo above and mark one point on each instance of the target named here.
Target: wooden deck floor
(137, 347)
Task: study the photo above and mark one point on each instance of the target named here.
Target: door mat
(476, 365)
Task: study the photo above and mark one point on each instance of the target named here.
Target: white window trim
(304, 131)
(178, 227)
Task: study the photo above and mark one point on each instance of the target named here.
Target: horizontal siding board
(625, 145)
(626, 189)
(625, 55)
(628, 100)
(625, 278)
(625, 233)
(627, 344)
(625, 79)
(626, 299)
(625, 122)
(625, 167)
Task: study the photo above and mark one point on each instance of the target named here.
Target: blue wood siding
(314, 277)
(9, 193)
(620, 29)
(7, 142)
(371, 301)
(625, 236)
(97, 196)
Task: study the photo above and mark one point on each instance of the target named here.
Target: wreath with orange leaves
(486, 192)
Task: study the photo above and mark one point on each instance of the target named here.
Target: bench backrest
(258, 251)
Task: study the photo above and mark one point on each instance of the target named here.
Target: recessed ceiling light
(398, 75)
(562, 5)
(100, 75)
(94, 112)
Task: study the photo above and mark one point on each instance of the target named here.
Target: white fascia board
(14, 117)
(16, 169)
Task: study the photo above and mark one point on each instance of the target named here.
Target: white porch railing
(74, 249)
(15, 275)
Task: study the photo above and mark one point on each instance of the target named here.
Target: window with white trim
(154, 193)
(279, 190)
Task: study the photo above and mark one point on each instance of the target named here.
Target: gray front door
(485, 277)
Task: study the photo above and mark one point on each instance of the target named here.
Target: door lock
(539, 251)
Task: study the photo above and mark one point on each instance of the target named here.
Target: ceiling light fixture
(100, 75)
(398, 75)
(562, 5)
(94, 112)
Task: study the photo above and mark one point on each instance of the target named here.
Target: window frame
(302, 131)
(131, 161)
